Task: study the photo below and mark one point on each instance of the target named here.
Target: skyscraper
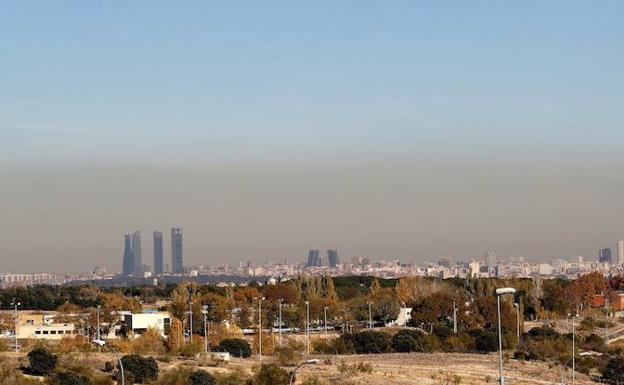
(128, 258)
(490, 260)
(177, 264)
(313, 258)
(136, 253)
(158, 252)
(604, 255)
(620, 252)
(332, 257)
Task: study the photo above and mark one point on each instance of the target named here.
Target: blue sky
(116, 81)
(409, 129)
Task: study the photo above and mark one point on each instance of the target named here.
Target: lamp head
(505, 290)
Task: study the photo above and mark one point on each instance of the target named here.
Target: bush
(486, 341)
(594, 342)
(139, 369)
(270, 374)
(201, 377)
(613, 373)
(408, 341)
(289, 352)
(442, 331)
(236, 347)
(370, 341)
(340, 345)
(69, 378)
(42, 362)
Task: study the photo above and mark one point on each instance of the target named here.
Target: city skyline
(389, 130)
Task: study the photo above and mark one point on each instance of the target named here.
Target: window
(52, 331)
(45, 332)
(37, 331)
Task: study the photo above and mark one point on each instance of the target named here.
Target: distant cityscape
(317, 263)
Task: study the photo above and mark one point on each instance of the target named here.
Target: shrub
(442, 331)
(459, 343)
(270, 374)
(139, 369)
(614, 371)
(201, 377)
(408, 341)
(594, 342)
(42, 362)
(370, 341)
(236, 347)
(486, 341)
(339, 345)
(288, 352)
(109, 366)
(191, 350)
(69, 378)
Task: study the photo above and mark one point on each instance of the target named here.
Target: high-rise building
(158, 252)
(620, 252)
(136, 253)
(604, 255)
(313, 258)
(490, 260)
(128, 258)
(177, 264)
(332, 257)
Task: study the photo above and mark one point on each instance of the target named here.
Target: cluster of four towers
(132, 257)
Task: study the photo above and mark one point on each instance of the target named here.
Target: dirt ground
(390, 369)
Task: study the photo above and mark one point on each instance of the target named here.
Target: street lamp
(16, 304)
(97, 332)
(454, 317)
(280, 320)
(573, 347)
(499, 293)
(260, 328)
(517, 306)
(190, 321)
(307, 303)
(102, 343)
(205, 314)
(325, 316)
(308, 362)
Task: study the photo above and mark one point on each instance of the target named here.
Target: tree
(270, 374)
(236, 347)
(140, 369)
(201, 377)
(408, 341)
(42, 362)
(370, 341)
(613, 373)
(486, 341)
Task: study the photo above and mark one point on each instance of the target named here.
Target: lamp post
(370, 315)
(260, 328)
(454, 317)
(16, 304)
(97, 316)
(307, 362)
(307, 303)
(499, 293)
(102, 343)
(572, 316)
(325, 316)
(205, 314)
(517, 306)
(191, 321)
(280, 320)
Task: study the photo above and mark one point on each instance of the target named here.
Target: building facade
(128, 258)
(136, 253)
(314, 258)
(332, 257)
(604, 255)
(177, 262)
(158, 253)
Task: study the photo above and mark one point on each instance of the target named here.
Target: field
(383, 369)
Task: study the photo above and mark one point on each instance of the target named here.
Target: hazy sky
(386, 129)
